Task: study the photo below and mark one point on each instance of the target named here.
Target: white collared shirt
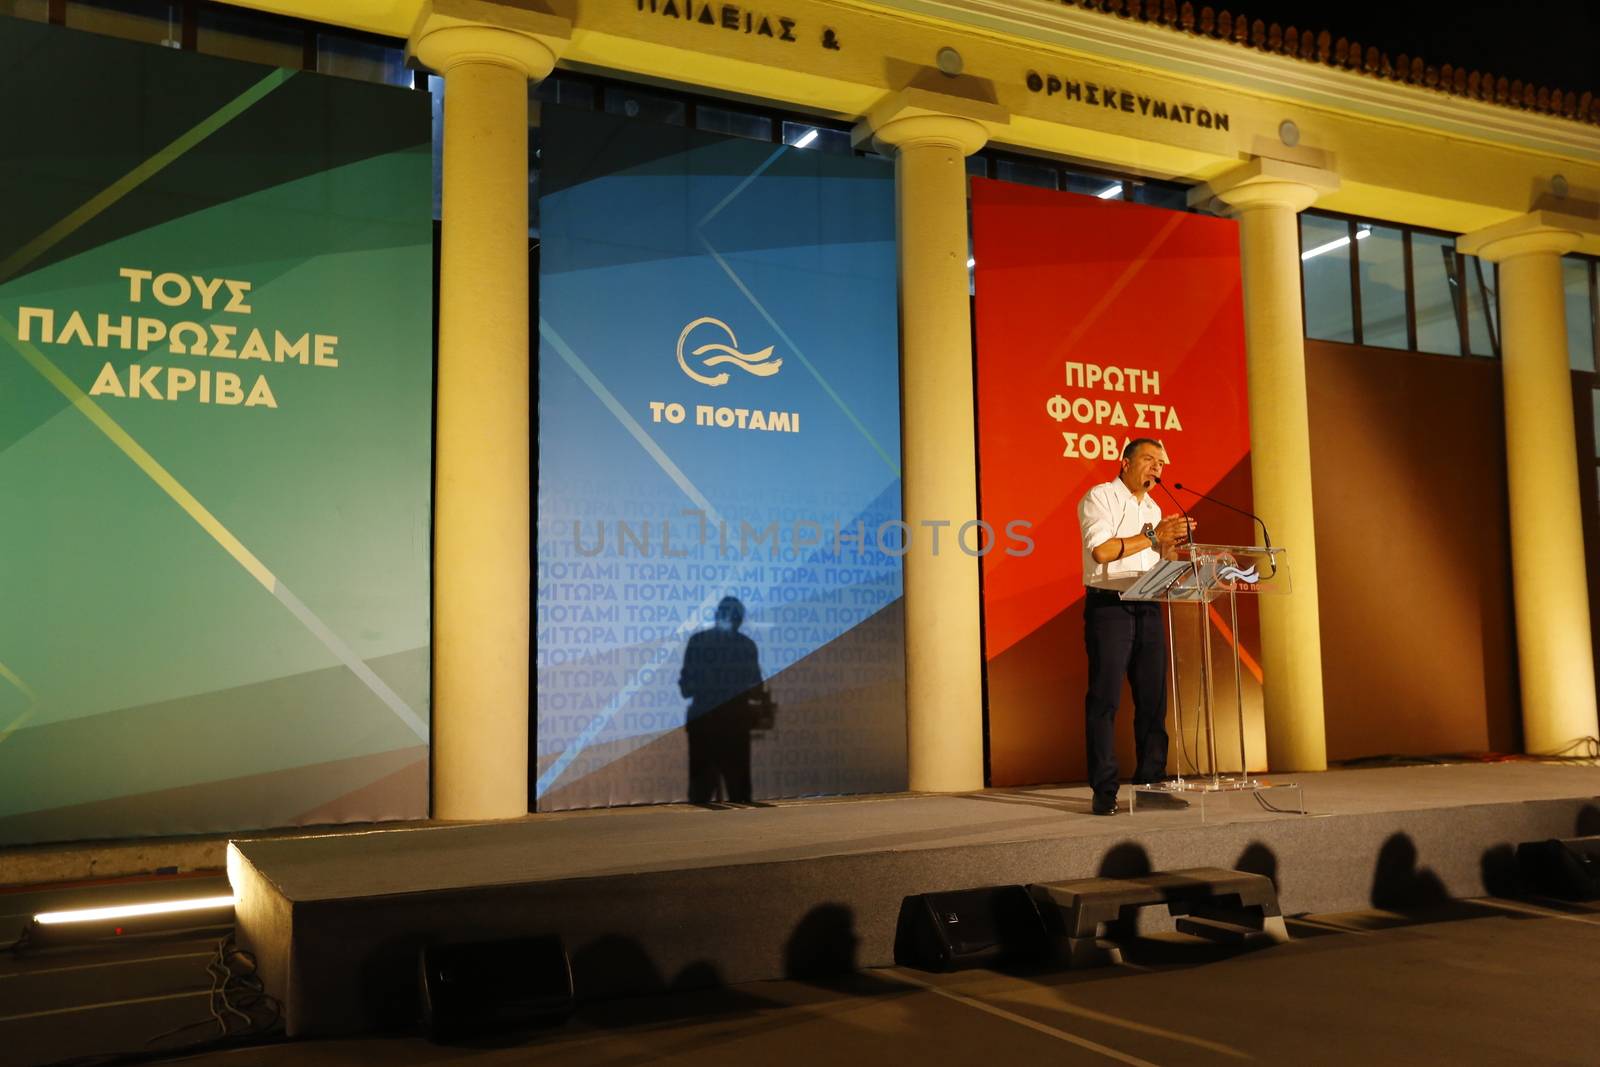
(1111, 510)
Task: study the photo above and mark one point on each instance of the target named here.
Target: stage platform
(648, 899)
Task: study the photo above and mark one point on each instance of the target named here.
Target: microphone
(1265, 537)
(1189, 530)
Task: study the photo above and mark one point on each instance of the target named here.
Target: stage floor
(618, 841)
(652, 899)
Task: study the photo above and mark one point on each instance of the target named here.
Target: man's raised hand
(1173, 529)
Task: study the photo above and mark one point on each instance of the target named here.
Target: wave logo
(1248, 576)
(716, 353)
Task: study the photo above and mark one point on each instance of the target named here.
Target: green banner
(215, 413)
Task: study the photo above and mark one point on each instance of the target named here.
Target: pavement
(1484, 981)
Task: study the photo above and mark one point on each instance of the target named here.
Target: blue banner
(719, 540)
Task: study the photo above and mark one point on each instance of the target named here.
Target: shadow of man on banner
(721, 676)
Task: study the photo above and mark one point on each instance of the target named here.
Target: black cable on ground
(1582, 750)
(1588, 750)
(1389, 759)
(219, 1044)
(1269, 806)
(240, 1010)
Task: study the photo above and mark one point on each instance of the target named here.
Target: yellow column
(481, 483)
(1266, 196)
(1551, 598)
(930, 135)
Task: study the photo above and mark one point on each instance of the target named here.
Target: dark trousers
(1124, 640)
(719, 753)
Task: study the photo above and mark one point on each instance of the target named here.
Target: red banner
(1097, 322)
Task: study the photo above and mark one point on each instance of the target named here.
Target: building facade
(1419, 268)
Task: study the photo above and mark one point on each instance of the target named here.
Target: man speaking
(1124, 535)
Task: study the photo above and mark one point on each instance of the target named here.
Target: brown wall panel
(1413, 545)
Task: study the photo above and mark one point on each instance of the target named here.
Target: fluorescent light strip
(1110, 192)
(1339, 242)
(128, 911)
(810, 135)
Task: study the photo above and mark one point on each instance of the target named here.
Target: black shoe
(1104, 805)
(1162, 780)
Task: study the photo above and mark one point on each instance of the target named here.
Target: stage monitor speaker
(999, 925)
(493, 986)
(1568, 868)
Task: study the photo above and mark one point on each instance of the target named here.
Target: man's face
(1144, 466)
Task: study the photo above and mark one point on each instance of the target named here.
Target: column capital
(914, 116)
(1536, 231)
(449, 32)
(1264, 182)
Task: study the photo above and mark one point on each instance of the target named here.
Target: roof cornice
(1148, 42)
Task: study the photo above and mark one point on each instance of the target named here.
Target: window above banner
(1070, 177)
(1404, 287)
(1395, 287)
(234, 32)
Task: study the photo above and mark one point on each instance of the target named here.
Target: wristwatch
(1149, 531)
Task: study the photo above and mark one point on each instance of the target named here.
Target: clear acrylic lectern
(1208, 578)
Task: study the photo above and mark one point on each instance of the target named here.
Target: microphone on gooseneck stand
(1189, 529)
(1266, 538)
